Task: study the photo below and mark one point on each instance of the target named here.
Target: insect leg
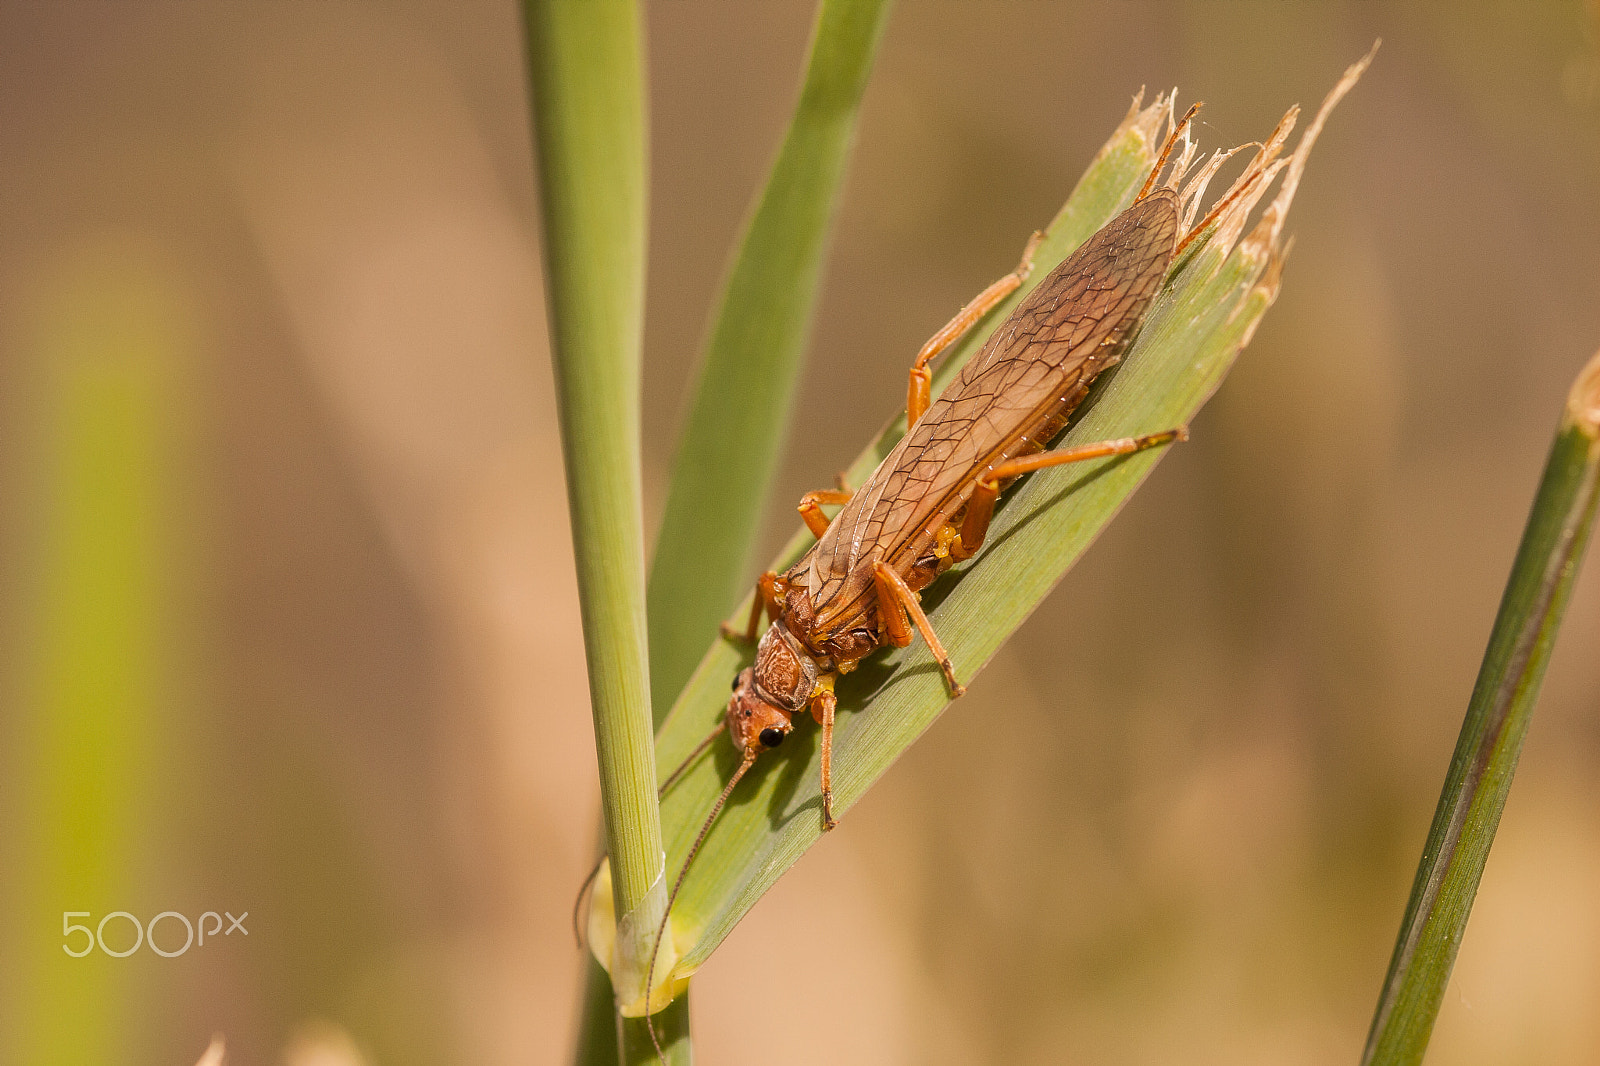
(975, 526)
(917, 398)
(895, 601)
(811, 508)
(766, 597)
(823, 704)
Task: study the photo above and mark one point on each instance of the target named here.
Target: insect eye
(771, 737)
(736, 682)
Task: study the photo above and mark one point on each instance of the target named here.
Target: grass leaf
(587, 84)
(1206, 314)
(729, 449)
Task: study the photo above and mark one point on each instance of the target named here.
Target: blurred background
(290, 628)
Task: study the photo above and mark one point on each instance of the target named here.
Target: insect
(928, 505)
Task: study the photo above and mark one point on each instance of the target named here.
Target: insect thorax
(785, 673)
(835, 638)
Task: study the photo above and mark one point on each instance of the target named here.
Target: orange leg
(811, 508)
(917, 398)
(980, 509)
(766, 597)
(823, 705)
(895, 601)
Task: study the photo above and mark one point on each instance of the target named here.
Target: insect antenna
(577, 904)
(672, 779)
(694, 849)
(1166, 150)
(699, 749)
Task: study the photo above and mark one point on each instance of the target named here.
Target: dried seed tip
(1272, 277)
(1143, 122)
(1266, 286)
(1280, 135)
(1278, 210)
(1178, 130)
(1222, 226)
(1195, 190)
(1133, 110)
(1185, 160)
(1583, 403)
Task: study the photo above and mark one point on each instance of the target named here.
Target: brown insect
(929, 503)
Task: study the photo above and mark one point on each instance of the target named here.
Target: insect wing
(1026, 376)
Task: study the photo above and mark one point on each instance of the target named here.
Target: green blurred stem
(597, 1018)
(600, 1035)
(586, 77)
(87, 736)
(672, 1030)
(740, 411)
(1485, 759)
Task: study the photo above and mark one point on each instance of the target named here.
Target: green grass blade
(587, 87)
(1479, 779)
(1207, 312)
(729, 449)
(88, 734)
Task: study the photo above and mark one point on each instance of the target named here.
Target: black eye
(771, 737)
(736, 682)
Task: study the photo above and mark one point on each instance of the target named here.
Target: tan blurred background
(289, 625)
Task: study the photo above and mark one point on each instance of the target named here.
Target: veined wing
(1023, 381)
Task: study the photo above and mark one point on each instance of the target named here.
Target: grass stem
(1490, 742)
(587, 85)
